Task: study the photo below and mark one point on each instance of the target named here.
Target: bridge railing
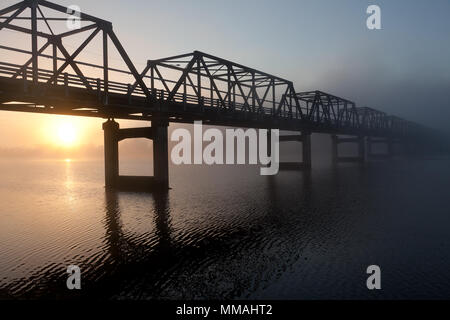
(43, 76)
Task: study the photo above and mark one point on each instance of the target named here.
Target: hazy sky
(403, 69)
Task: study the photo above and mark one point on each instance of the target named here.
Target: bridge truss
(182, 88)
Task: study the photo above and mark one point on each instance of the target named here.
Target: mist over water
(226, 232)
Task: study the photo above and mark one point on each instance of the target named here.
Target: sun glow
(66, 134)
(69, 137)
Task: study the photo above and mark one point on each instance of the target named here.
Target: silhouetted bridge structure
(196, 86)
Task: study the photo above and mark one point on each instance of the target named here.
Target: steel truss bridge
(52, 78)
(201, 86)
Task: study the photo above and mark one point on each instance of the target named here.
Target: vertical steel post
(273, 98)
(212, 92)
(34, 41)
(152, 81)
(105, 67)
(55, 63)
(253, 93)
(199, 82)
(229, 86)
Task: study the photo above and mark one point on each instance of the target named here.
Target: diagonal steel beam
(182, 78)
(283, 101)
(11, 18)
(128, 62)
(42, 49)
(133, 87)
(70, 58)
(74, 66)
(162, 79)
(261, 103)
(13, 7)
(240, 88)
(193, 86)
(213, 83)
(297, 103)
(45, 20)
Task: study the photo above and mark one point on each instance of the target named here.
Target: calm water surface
(226, 233)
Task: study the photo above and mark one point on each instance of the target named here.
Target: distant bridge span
(185, 88)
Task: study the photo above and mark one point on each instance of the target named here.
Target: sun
(67, 135)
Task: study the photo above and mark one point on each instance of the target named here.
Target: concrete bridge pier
(371, 141)
(360, 141)
(111, 148)
(161, 153)
(158, 133)
(305, 139)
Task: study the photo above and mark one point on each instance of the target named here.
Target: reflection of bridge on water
(183, 88)
(174, 259)
(154, 259)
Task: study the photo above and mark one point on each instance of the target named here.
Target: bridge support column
(161, 153)
(111, 146)
(335, 141)
(389, 146)
(305, 139)
(306, 149)
(158, 133)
